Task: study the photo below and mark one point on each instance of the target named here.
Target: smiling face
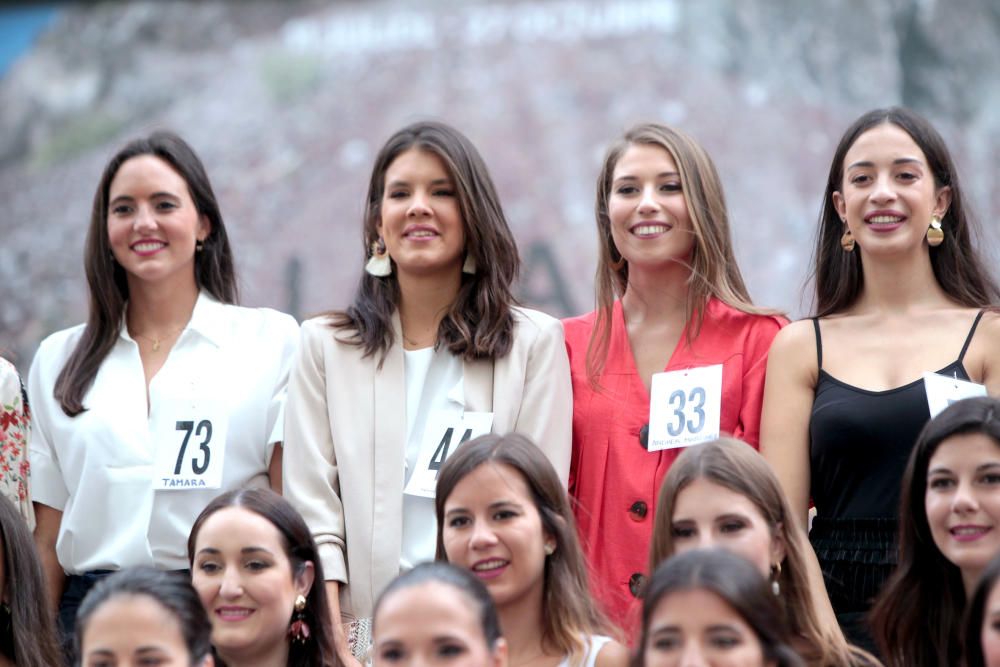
(650, 223)
(153, 224)
(888, 193)
(245, 582)
(963, 501)
(492, 527)
(421, 219)
(707, 514)
(431, 624)
(132, 630)
(697, 628)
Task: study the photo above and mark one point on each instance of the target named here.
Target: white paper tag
(942, 391)
(685, 407)
(190, 439)
(442, 436)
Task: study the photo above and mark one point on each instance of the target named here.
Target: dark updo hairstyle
(917, 620)
(27, 630)
(300, 548)
(479, 323)
(170, 590)
(738, 583)
(106, 279)
(457, 578)
(957, 265)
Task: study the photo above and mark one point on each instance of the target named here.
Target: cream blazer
(345, 439)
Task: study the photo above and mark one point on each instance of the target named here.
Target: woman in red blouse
(670, 300)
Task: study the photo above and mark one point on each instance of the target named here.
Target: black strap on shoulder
(972, 331)
(819, 343)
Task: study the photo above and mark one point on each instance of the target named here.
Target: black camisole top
(860, 440)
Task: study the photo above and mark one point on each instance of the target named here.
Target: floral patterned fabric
(15, 426)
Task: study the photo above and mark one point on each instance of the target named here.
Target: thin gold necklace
(156, 341)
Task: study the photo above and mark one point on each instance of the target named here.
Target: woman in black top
(900, 290)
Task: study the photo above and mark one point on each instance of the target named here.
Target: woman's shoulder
(763, 322)
(265, 319)
(535, 321)
(580, 327)
(58, 346)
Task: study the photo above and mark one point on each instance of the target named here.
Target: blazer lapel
(389, 458)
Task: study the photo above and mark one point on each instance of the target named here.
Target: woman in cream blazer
(431, 331)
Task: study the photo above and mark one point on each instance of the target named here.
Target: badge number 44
(685, 407)
(442, 436)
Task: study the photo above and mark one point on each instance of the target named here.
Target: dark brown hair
(106, 279)
(734, 580)
(479, 324)
(714, 271)
(958, 268)
(32, 634)
(170, 590)
(917, 619)
(736, 466)
(569, 612)
(300, 548)
(976, 614)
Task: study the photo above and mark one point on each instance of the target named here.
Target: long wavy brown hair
(917, 619)
(958, 267)
(479, 323)
(714, 271)
(738, 467)
(569, 611)
(108, 286)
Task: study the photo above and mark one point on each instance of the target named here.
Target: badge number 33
(685, 407)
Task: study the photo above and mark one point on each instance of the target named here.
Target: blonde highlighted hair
(736, 466)
(714, 271)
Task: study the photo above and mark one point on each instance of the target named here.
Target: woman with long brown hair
(167, 396)
(432, 351)
(503, 514)
(671, 304)
(900, 291)
(724, 494)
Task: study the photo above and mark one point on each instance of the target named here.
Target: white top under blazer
(98, 467)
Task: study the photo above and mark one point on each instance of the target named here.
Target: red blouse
(613, 479)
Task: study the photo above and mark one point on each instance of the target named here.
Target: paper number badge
(685, 407)
(442, 436)
(942, 391)
(190, 440)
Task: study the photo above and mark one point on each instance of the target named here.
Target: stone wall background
(287, 103)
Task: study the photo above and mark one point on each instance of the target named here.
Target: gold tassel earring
(847, 240)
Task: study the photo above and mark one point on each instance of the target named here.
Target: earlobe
(305, 579)
(204, 228)
(943, 201)
(838, 203)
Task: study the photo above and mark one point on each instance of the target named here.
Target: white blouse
(229, 366)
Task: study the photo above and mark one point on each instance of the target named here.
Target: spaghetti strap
(972, 331)
(819, 344)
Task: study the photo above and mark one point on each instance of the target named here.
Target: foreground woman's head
(256, 568)
(712, 607)
(437, 614)
(143, 616)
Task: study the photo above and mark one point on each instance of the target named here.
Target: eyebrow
(663, 174)
(902, 160)
(155, 195)
(245, 550)
(494, 505)
(979, 468)
(437, 181)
